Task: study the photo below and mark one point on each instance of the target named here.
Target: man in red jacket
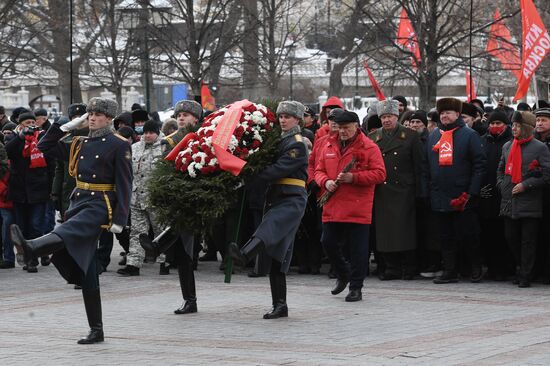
(348, 213)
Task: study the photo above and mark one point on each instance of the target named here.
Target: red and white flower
(198, 157)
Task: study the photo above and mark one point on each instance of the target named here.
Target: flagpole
(470, 58)
(534, 79)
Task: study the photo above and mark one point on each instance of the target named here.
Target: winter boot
(92, 303)
(38, 247)
(187, 284)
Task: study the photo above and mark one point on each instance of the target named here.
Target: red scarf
(445, 147)
(513, 166)
(31, 151)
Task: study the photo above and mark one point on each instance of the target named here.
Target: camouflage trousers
(142, 222)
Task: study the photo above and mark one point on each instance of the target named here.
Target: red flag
(207, 100)
(374, 84)
(536, 45)
(500, 46)
(406, 37)
(470, 87)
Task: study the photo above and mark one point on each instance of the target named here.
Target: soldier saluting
(101, 163)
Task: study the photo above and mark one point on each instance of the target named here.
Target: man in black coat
(30, 180)
(542, 133)
(101, 163)
(456, 165)
(285, 203)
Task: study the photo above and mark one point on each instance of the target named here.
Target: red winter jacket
(4, 182)
(332, 102)
(352, 202)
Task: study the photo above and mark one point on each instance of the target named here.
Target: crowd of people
(457, 191)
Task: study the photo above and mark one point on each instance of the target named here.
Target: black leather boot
(42, 246)
(277, 282)
(187, 284)
(341, 284)
(242, 256)
(446, 277)
(155, 247)
(92, 303)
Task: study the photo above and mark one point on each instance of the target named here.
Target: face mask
(497, 130)
(139, 130)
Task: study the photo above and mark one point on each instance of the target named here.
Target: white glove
(116, 229)
(76, 123)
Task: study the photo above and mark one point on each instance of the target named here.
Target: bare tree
(48, 24)
(444, 37)
(112, 59)
(192, 44)
(280, 27)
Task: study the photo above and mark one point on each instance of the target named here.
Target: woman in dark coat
(523, 171)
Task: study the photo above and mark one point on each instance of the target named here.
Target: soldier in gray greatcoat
(101, 163)
(285, 204)
(395, 199)
(181, 244)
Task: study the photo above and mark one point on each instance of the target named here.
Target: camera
(29, 131)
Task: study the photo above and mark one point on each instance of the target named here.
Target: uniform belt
(292, 182)
(95, 187)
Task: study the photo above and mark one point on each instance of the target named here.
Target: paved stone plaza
(397, 323)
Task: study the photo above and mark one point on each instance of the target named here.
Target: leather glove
(75, 124)
(486, 191)
(116, 229)
(459, 204)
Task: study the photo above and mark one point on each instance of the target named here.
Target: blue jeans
(7, 220)
(357, 237)
(30, 219)
(49, 217)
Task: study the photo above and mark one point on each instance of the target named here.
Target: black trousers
(400, 263)
(522, 235)
(90, 280)
(496, 252)
(459, 231)
(357, 237)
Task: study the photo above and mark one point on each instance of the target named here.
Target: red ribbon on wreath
(222, 137)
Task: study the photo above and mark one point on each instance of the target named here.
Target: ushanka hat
(449, 104)
(388, 107)
(106, 106)
(524, 118)
(189, 106)
(292, 108)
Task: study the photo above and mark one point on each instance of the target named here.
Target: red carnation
(251, 108)
(197, 159)
(533, 165)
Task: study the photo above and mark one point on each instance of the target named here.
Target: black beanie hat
(421, 115)
(470, 110)
(25, 116)
(523, 107)
(151, 126)
(498, 115)
(40, 112)
(401, 99)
